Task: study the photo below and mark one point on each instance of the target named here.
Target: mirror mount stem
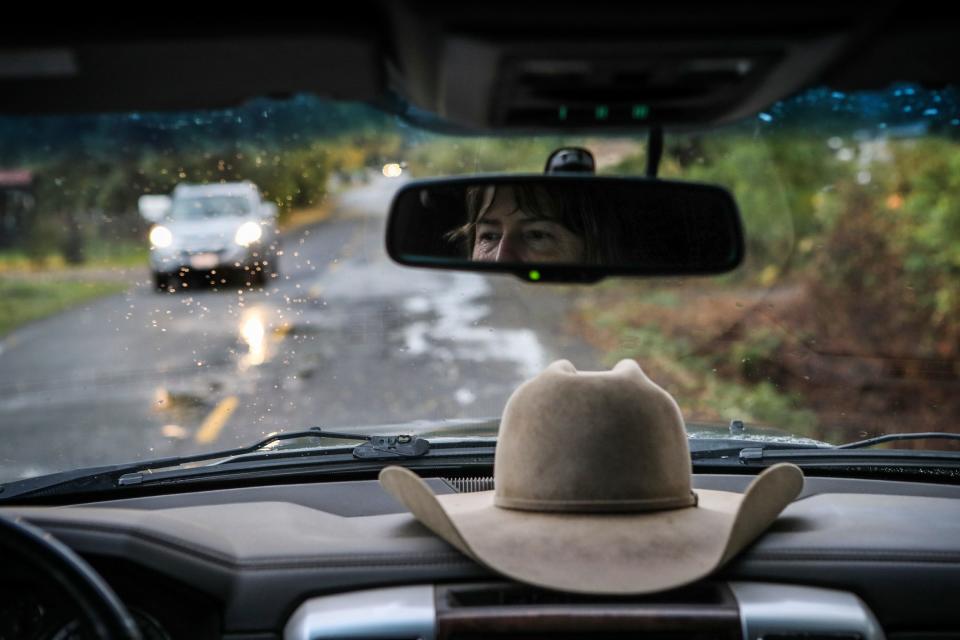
(654, 150)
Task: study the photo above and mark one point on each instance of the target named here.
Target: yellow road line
(280, 332)
(214, 422)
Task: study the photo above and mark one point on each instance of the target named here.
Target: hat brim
(623, 553)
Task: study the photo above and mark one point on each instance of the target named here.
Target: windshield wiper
(400, 446)
(895, 437)
(372, 448)
(852, 450)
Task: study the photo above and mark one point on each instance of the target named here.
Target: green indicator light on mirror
(602, 111)
(640, 111)
(562, 112)
(534, 275)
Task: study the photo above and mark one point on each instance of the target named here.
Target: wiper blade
(728, 451)
(898, 437)
(761, 451)
(853, 450)
(372, 448)
(834, 454)
(403, 445)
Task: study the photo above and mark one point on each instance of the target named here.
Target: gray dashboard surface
(261, 551)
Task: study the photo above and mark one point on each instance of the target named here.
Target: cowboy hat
(592, 491)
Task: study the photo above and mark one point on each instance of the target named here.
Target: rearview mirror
(153, 208)
(566, 228)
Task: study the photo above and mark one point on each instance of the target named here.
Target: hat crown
(610, 441)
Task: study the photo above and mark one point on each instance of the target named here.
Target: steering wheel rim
(96, 602)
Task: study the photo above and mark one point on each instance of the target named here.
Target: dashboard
(850, 558)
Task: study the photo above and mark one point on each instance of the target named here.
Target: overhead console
(570, 66)
(748, 610)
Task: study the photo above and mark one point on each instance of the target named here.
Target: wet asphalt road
(343, 338)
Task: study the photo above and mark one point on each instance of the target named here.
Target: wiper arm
(850, 450)
(402, 445)
(372, 447)
(733, 451)
(897, 437)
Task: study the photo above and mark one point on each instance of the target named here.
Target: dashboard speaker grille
(472, 485)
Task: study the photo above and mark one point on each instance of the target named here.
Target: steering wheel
(98, 606)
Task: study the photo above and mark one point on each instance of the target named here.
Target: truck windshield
(203, 207)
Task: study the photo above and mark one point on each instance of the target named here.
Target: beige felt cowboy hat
(592, 491)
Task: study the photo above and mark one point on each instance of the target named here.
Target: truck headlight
(161, 237)
(247, 234)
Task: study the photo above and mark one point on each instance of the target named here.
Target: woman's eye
(539, 235)
(488, 236)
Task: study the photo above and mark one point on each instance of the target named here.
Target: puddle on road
(437, 315)
(454, 333)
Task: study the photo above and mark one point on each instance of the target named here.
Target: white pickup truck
(217, 230)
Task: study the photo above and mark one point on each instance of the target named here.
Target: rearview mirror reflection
(566, 228)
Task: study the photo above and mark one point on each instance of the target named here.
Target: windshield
(841, 324)
(211, 206)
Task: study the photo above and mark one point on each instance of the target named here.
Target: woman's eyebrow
(531, 219)
(525, 217)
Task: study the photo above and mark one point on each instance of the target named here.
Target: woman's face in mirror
(506, 233)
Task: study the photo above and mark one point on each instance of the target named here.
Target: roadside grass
(18, 261)
(24, 300)
(298, 218)
(121, 254)
(715, 382)
(97, 253)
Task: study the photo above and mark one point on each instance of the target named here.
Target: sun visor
(170, 74)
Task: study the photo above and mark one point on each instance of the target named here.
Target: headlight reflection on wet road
(253, 333)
